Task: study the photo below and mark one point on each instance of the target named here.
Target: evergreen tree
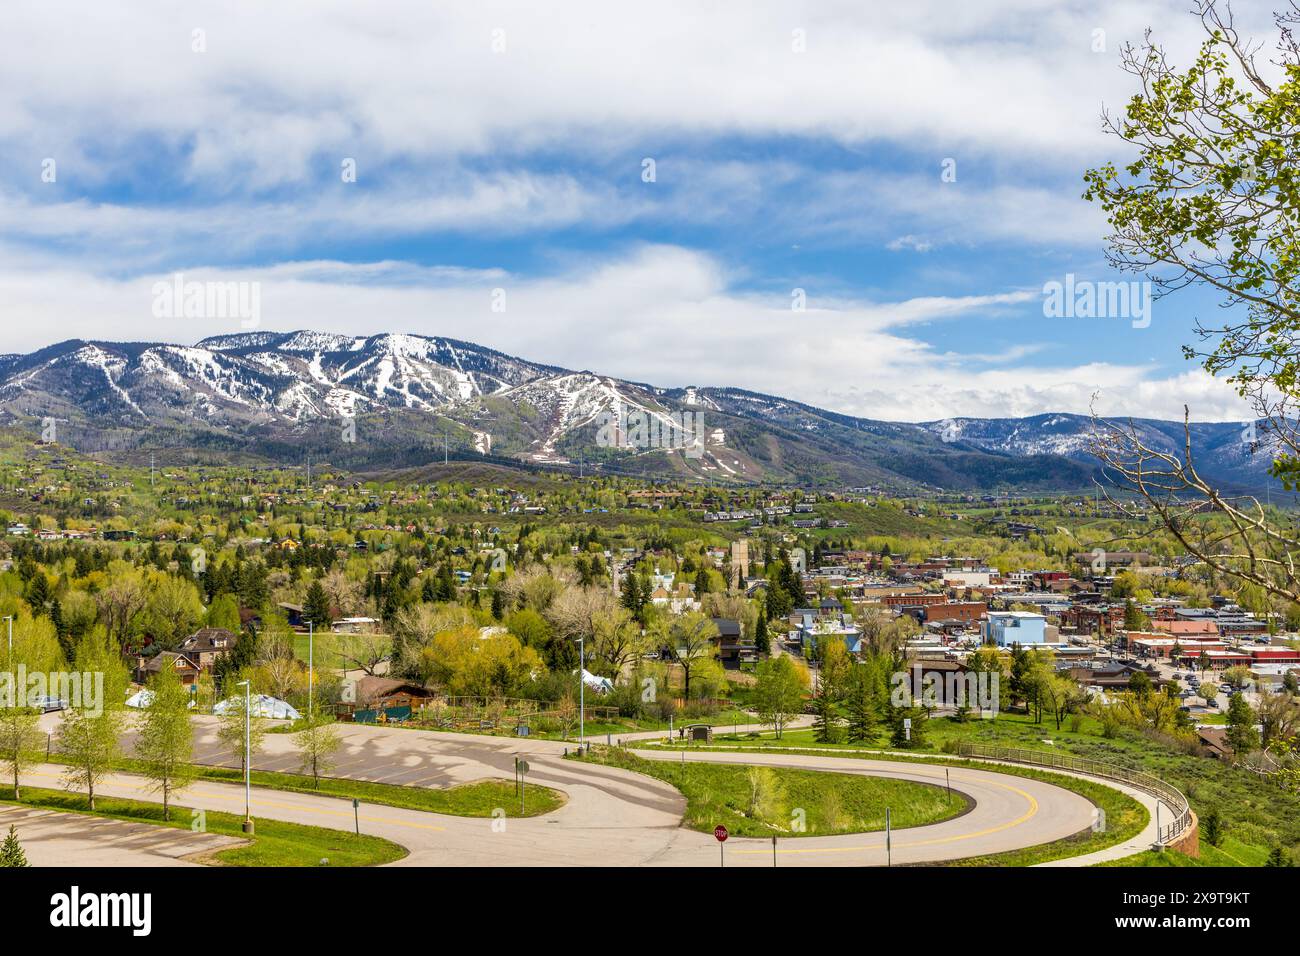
(1241, 733)
(762, 641)
(11, 852)
(861, 706)
(826, 721)
(316, 608)
(900, 735)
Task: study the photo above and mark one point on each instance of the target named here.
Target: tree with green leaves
(89, 742)
(1212, 827)
(778, 693)
(89, 737)
(164, 740)
(904, 735)
(827, 727)
(1208, 195)
(11, 851)
(233, 736)
(1018, 681)
(862, 702)
(1241, 733)
(762, 640)
(691, 637)
(1134, 619)
(20, 735)
(316, 606)
(318, 743)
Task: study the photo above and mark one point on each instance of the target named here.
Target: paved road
(53, 838)
(614, 817)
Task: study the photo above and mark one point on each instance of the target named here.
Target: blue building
(1005, 628)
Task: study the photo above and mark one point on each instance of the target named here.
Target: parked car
(47, 705)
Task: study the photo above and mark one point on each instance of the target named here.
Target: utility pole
(582, 695)
(248, 757)
(311, 666)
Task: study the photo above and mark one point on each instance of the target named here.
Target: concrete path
(55, 838)
(612, 817)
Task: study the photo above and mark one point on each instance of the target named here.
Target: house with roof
(206, 645)
(180, 664)
(734, 648)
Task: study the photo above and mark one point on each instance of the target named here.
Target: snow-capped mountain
(411, 398)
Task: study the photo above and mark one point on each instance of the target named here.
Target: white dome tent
(261, 705)
(143, 699)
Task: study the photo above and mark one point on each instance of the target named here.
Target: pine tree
(900, 735)
(1241, 733)
(826, 722)
(317, 607)
(11, 852)
(762, 641)
(862, 707)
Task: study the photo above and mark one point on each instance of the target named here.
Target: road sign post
(720, 834)
(356, 814)
(889, 848)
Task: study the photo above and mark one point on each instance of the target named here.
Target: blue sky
(795, 146)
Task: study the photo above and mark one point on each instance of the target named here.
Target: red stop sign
(720, 833)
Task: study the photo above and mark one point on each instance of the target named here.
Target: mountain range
(397, 400)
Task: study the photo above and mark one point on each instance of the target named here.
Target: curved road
(614, 817)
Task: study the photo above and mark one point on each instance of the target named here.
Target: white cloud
(663, 315)
(281, 84)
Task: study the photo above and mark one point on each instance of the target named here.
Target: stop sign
(720, 833)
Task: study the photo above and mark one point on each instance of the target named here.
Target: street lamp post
(248, 756)
(311, 666)
(582, 694)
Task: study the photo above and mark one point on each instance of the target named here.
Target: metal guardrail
(1167, 794)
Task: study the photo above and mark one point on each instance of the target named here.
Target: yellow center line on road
(320, 811)
(1033, 810)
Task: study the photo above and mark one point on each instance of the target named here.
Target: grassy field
(1124, 816)
(275, 843)
(327, 648)
(762, 802)
(478, 799)
(1231, 853)
(1255, 812)
(595, 729)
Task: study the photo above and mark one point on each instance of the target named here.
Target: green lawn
(274, 844)
(478, 799)
(1232, 853)
(1125, 817)
(326, 647)
(1255, 811)
(761, 802)
(596, 729)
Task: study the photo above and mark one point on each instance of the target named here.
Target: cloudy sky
(648, 184)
